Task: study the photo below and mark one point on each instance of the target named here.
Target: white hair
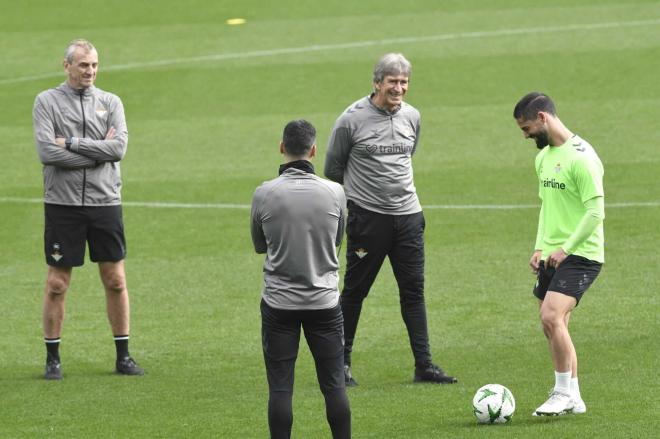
(391, 64)
(73, 45)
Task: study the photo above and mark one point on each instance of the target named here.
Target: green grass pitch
(205, 105)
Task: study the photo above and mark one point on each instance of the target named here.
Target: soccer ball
(493, 404)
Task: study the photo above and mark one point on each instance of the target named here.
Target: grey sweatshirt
(88, 173)
(297, 219)
(370, 151)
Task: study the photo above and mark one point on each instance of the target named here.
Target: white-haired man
(370, 152)
(81, 136)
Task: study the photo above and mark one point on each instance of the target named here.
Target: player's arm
(256, 230)
(336, 157)
(113, 147)
(592, 218)
(538, 245)
(50, 152)
(588, 175)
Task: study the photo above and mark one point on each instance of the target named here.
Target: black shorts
(573, 277)
(69, 228)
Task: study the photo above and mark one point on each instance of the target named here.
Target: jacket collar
(380, 109)
(67, 89)
(301, 165)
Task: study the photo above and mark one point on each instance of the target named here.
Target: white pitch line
(351, 45)
(173, 205)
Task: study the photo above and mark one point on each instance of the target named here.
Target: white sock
(575, 389)
(563, 382)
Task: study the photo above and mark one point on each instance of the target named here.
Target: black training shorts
(573, 277)
(69, 228)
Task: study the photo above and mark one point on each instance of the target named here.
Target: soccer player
(297, 220)
(370, 152)
(81, 136)
(569, 252)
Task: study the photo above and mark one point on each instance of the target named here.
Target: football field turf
(205, 105)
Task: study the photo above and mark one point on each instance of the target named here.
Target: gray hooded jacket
(87, 173)
(298, 219)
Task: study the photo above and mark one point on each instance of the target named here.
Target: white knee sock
(563, 382)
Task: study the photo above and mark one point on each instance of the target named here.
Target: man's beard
(541, 139)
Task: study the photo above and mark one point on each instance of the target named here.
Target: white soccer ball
(493, 404)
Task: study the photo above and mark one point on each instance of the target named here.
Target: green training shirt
(569, 175)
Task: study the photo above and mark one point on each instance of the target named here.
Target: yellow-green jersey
(570, 177)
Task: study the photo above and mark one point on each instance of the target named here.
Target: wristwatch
(67, 143)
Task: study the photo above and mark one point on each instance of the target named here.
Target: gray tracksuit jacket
(87, 173)
(297, 219)
(370, 151)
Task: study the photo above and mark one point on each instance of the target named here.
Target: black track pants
(280, 332)
(371, 237)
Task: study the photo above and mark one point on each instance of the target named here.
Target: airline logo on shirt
(554, 184)
(396, 148)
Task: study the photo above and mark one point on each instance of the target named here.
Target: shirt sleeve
(588, 175)
(539, 231)
(336, 157)
(50, 153)
(256, 230)
(593, 217)
(418, 131)
(342, 217)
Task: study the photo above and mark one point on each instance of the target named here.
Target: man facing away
(370, 152)
(297, 220)
(569, 251)
(81, 136)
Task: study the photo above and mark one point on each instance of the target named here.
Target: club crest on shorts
(361, 253)
(56, 252)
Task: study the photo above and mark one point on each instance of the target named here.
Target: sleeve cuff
(75, 144)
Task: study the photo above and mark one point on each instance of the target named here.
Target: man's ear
(312, 151)
(282, 147)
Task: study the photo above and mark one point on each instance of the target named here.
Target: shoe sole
(420, 380)
(565, 412)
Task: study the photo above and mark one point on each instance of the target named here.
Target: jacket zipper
(84, 182)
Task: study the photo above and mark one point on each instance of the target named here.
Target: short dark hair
(299, 136)
(528, 106)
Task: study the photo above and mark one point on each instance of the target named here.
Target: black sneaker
(433, 374)
(348, 377)
(128, 366)
(53, 370)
